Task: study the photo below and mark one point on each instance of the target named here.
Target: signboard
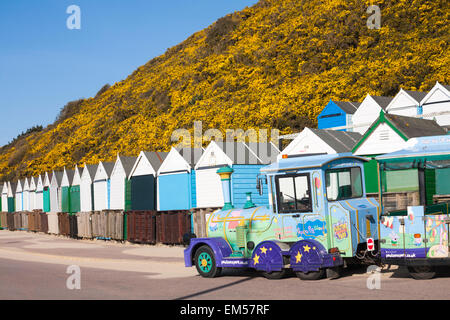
(370, 244)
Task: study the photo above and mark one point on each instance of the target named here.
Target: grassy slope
(274, 65)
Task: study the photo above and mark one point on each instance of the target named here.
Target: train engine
(318, 219)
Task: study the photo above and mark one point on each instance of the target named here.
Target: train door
(293, 202)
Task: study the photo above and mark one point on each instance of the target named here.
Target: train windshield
(344, 183)
(293, 193)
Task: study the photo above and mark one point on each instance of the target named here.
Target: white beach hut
(32, 194)
(101, 185)
(321, 141)
(26, 195)
(436, 104)
(369, 111)
(406, 103)
(120, 194)
(5, 197)
(19, 195)
(39, 195)
(86, 191)
(55, 191)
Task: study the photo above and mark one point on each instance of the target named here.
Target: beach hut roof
(91, 169)
(382, 101)
(348, 107)
(191, 155)
(127, 163)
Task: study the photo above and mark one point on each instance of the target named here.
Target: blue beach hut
(337, 114)
(176, 180)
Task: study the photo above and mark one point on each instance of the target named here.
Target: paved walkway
(34, 266)
(160, 260)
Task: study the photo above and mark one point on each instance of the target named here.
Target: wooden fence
(168, 227)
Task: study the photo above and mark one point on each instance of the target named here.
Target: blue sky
(44, 65)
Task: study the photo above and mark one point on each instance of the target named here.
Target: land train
(319, 220)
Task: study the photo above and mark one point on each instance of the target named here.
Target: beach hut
(436, 104)
(26, 195)
(19, 195)
(406, 103)
(337, 114)
(143, 180)
(101, 185)
(39, 197)
(55, 191)
(86, 190)
(368, 112)
(245, 164)
(321, 141)
(387, 134)
(120, 196)
(5, 197)
(46, 192)
(74, 191)
(245, 173)
(32, 194)
(67, 177)
(176, 179)
(11, 196)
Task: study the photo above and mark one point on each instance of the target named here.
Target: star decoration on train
(306, 248)
(256, 259)
(264, 250)
(298, 257)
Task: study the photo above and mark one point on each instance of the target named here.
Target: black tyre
(334, 273)
(312, 275)
(205, 262)
(275, 275)
(422, 272)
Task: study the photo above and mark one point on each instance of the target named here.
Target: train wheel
(334, 273)
(274, 275)
(312, 275)
(422, 272)
(206, 263)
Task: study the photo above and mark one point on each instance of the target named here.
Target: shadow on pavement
(215, 289)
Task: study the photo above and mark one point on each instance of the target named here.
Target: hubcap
(205, 262)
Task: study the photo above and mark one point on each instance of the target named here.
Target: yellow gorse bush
(273, 65)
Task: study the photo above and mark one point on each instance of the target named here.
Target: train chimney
(225, 176)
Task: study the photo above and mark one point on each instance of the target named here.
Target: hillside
(273, 65)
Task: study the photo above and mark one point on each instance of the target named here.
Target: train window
(344, 183)
(293, 193)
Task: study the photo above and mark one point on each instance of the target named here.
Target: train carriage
(416, 236)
